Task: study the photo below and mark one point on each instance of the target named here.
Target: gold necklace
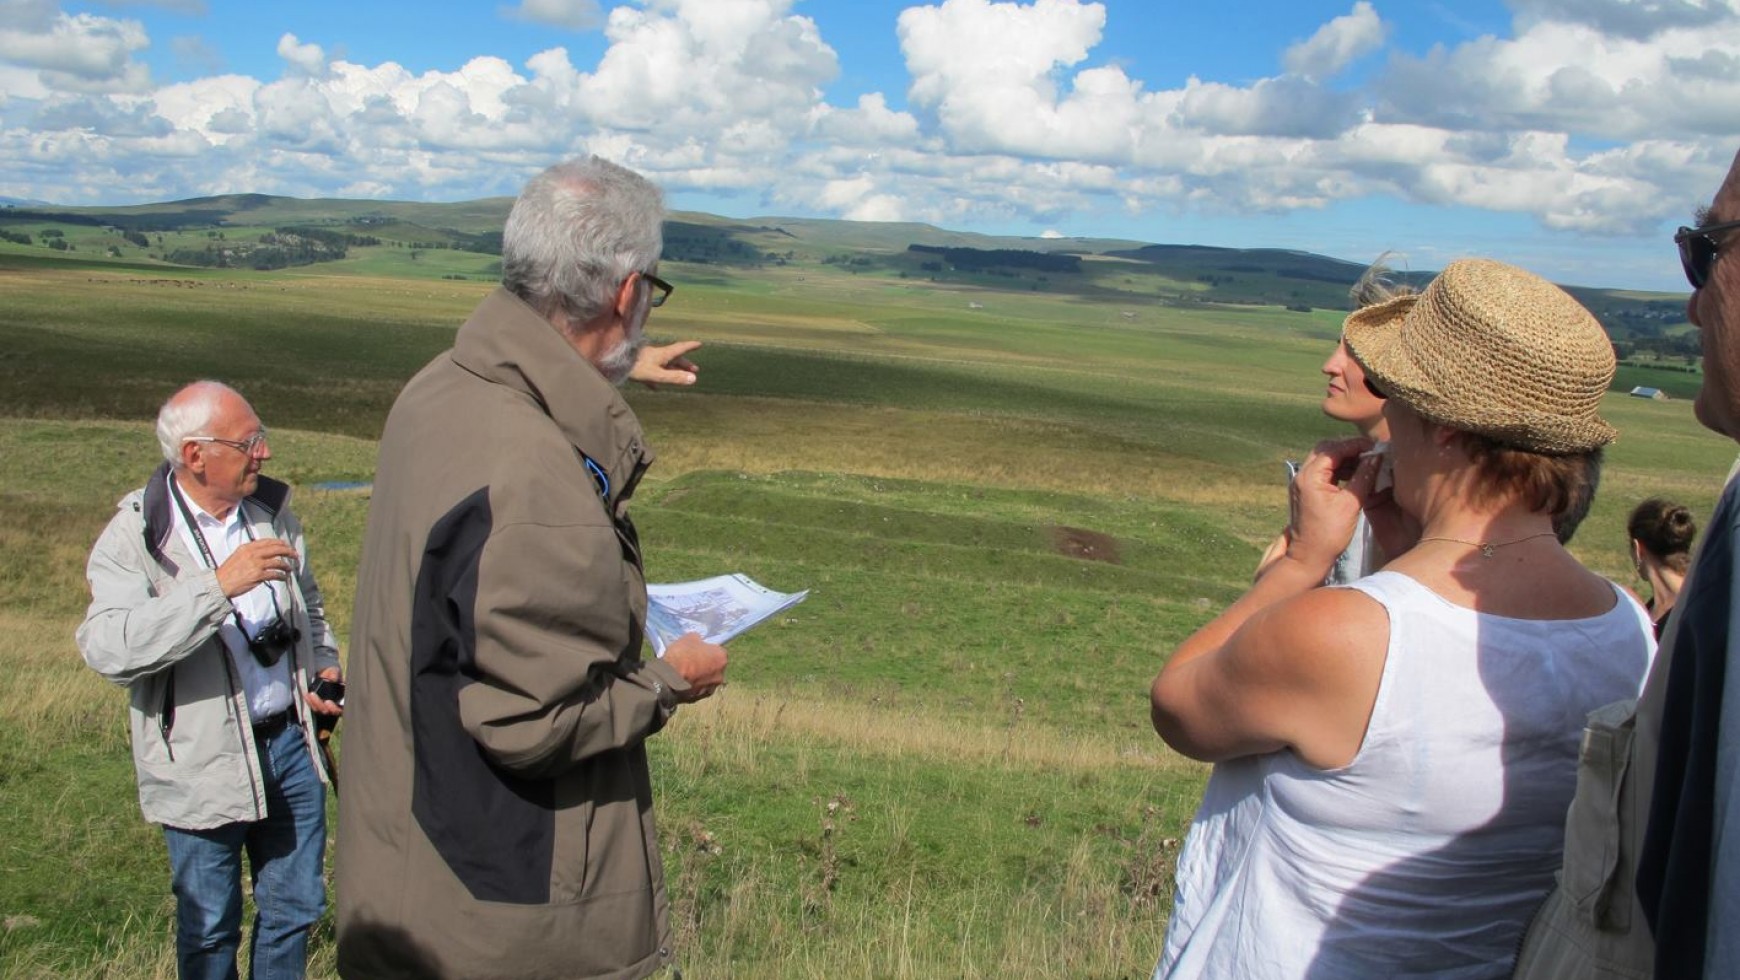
(1488, 547)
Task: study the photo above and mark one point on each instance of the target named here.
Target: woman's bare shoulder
(1325, 621)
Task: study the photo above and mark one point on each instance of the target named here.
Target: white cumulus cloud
(1337, 43)
(574, 15)
(309, 59)
(73, 52)
(1570, 76)
(1637, 20)
(1593, 116)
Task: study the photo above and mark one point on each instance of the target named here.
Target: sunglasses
(1374, 389)
(1698, 248)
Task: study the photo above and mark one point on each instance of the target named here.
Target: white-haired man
(498, 817)
(204, 606)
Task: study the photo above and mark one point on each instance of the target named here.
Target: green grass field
(1008, 507)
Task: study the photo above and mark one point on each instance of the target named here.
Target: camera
(269, 644)
(327, 690)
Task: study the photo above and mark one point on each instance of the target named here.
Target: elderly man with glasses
(204, 606)
(497, 818)
(1651, 879)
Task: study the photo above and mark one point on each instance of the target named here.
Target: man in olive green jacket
(497, 819)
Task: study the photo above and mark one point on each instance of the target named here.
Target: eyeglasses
(1372, 387)
(661, 290)
(251, 446)
(1698, 248)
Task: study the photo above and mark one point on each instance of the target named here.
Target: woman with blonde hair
(1661, 534)
(1346, 398)
(1393, 758)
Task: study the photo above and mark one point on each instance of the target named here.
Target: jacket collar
(507, 342)
(269, 495)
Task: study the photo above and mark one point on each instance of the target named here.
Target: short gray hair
(188, 412)
(576, 232)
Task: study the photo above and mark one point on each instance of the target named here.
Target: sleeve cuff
(213, 594)
(666, 683)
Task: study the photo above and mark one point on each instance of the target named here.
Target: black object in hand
(327, 690)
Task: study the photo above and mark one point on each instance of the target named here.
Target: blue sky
(1567, 136)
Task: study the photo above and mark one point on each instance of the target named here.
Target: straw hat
(1493, 350)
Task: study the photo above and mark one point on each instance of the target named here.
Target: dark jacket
(497, 816)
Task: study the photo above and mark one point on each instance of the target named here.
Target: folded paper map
(718, 608)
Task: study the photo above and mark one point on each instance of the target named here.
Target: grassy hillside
(1008, 503)
(1179, 274)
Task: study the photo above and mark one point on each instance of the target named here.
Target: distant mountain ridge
(232, 230)
(487, 215)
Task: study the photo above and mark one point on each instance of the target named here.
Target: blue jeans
(285, 853)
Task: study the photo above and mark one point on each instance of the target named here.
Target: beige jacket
(1592, 927)
(497, 815)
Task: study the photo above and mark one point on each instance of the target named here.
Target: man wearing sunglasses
(1651, 878)
(497, 815)
(204, 607)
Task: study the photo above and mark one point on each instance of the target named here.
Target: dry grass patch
(48, 697)
(734, 726)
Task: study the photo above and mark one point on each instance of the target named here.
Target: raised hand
(666, 365)
(262, 560)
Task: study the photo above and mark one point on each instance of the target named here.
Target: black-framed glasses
(1698, 248)
(661, 290)
(250, 446)
(1372, 387)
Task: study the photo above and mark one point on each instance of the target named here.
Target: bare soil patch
(1076, 542)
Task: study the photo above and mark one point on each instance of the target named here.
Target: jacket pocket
(166, 715)
(152, 718)
(1592, 826)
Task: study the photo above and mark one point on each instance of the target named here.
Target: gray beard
(617, 364)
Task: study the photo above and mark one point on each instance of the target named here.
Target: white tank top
(1427, 854)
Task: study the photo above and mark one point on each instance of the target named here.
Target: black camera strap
(211, 562)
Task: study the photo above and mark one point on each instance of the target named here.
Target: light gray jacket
(152, 627)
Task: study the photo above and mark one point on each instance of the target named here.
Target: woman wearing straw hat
(1394, 758)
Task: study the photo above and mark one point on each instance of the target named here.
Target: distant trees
(706, 245)
(1001, 260)
(1661, 346)
(279, 249)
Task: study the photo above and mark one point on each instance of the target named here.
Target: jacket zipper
(1522, 940)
